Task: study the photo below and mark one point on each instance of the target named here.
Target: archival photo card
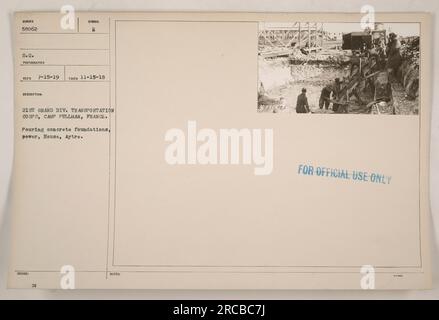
(148, 155)
(339, 67)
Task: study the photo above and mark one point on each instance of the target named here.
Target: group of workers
(333, 89)
(392, 59)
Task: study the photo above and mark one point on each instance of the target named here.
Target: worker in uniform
(336, 94)
(325, 97)
(379, 53)
(302, 103)
(394, 58)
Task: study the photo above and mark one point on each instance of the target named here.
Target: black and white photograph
(341, 68)
(223, 159)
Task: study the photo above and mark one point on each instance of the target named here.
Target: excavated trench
(284, 78)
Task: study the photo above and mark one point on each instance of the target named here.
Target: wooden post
(300, 35)
(309, 36)
(315, 34)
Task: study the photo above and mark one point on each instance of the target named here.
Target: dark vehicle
(357, 41)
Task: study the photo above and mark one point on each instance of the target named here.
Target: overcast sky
(401, 29)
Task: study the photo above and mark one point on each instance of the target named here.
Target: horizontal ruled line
(64, 49)
(64, 65)
(54, 81)
(69, 33)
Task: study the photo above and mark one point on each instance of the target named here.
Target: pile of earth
(408, 73)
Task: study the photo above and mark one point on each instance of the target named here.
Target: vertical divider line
(109, 146)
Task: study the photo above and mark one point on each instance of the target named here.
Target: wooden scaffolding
(301, 34)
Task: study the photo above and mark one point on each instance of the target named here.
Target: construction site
(316, 68)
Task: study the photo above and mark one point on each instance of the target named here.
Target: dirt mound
(408, 72)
